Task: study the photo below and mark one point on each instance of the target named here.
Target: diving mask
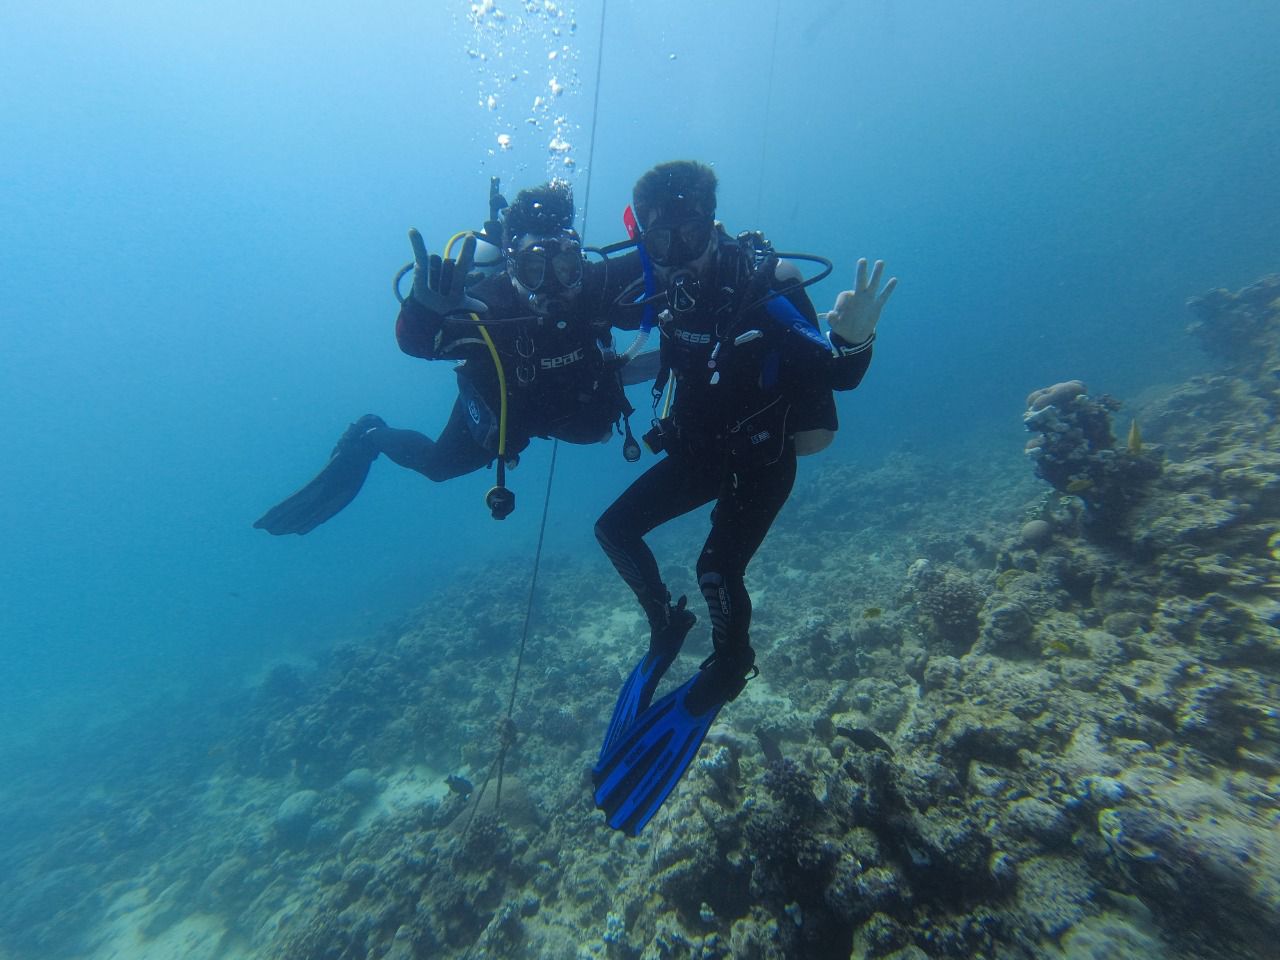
(679, 242)
(544, 265)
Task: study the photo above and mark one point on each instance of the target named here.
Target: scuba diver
(751, 382)
(533, 340)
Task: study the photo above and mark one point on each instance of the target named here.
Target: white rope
(768, 107)
(595, 113)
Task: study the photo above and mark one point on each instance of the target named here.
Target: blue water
(201, 207)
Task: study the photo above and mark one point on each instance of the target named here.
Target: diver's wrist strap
(841, 347)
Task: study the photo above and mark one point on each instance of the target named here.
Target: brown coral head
(1036, 534)
(1058, 393)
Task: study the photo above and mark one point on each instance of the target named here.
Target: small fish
(871, 613)
(866, 739)
(769, 745)
(1135, 438)
(1076, 486)
(1059, 646)
(459, 784)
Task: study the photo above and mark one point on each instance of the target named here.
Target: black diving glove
(439, 284)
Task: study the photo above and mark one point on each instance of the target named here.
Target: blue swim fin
(635, 696)
(638, 774)
(637, 691)
(634, 779)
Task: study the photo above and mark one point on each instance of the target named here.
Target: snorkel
(646, 266)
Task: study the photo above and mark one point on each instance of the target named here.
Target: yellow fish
(1075, 486)
(1135, 438)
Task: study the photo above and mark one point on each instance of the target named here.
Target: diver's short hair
(679, 188)
(545, 209)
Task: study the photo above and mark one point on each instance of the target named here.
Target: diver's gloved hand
(857, 311)
(438, 284)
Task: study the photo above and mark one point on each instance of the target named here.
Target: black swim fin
(642, 368)
(332, 488)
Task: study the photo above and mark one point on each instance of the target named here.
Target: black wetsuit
(748, 377)
(558, 383)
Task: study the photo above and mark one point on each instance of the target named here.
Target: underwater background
(201, 209)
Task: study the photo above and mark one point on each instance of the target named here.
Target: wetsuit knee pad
(714, 590)
(728, 593)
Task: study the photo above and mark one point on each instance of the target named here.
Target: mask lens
(694, 234)
(531, 267)
(567, 265)
(657, 243)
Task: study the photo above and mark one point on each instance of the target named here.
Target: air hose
(499, 499)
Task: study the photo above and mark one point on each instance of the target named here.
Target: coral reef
(991, 721)
(1075, 452)
(950, 599)
(1242, 329)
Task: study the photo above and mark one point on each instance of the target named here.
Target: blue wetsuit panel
(784, 312)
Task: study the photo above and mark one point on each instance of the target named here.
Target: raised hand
(439, 284)
(857, 311)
